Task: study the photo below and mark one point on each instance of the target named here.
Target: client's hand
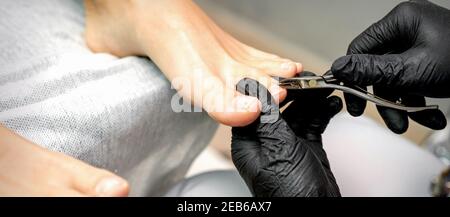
(202, 61)
(286, 158)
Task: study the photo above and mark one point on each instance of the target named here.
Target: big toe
(240, 111)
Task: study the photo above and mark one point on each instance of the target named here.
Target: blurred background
(313, 32)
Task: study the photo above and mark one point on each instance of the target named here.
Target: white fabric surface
(366, 158)
(112, 113)
(369, 160)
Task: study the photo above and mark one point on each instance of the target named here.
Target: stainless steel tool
(328, 81)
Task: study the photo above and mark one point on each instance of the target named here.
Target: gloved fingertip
(395, 120)
(433, 119)
(340, 68)
(397, 129)
(438, 119)
(439, 123)
(335, 105)
(355, 110)
(355, 105)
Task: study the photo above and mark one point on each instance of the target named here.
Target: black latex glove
(405, 56)
(286, 158)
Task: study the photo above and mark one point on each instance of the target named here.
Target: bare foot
(202, 61)
(29, 170)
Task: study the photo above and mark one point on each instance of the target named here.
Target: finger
(334, 106)
(340, 69)
(380, 38)
(245, 150)
(355, 105)
(272, 128)
(432, 118)
(366, 70)
(320, 120)
(395, 120)
(245, 146)
(265, 137)
(313, 117)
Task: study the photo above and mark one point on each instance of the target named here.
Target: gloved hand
(405, 56)
(285, 158)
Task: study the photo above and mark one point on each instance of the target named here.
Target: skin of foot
(29, 170)
(201, 60)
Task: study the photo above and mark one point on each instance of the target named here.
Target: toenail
(246, 104)
(110, 187)
(287, 66)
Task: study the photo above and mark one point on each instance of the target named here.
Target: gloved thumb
(247, 146)
(273, 132)
(270, 111)
(366, 69)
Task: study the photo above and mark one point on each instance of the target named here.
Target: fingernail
(287, 66)
(339, 65)
(110, 187)
(246, 104)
